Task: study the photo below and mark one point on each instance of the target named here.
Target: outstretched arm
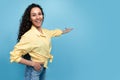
(67, 30)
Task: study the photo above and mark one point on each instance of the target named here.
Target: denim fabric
(32, 74)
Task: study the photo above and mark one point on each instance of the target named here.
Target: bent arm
(36, 65)
(23, 47)
(26, 62)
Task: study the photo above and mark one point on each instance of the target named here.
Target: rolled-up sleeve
(21, 48)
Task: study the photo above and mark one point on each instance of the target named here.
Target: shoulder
(28, 35)
(51, 30)
(45, 30)
(53, 33)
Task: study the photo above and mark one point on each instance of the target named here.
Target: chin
(37, 26)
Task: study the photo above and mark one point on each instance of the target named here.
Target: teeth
(38, 21)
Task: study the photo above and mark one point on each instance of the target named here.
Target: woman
(35, 41)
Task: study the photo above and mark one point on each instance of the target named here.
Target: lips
(38, 21)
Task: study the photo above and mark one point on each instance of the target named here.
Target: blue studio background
(90, 52)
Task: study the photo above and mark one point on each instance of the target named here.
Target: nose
(38, 16)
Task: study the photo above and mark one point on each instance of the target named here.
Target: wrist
(63, 32)
(32, 63)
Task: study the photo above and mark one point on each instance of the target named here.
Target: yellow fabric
(37, 44)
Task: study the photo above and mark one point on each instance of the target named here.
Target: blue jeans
(32, 74)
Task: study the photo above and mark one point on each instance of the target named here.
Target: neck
(40, 30)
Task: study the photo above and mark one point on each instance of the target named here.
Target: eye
(39, 13)
(33, 14)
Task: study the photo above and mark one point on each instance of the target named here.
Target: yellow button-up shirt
(37, 44)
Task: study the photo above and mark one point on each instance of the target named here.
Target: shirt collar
(37, 32)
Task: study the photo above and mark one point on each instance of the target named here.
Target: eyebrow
(35, 13)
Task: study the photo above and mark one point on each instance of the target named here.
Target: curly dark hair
(25, 23)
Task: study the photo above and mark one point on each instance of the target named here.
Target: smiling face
(36, 17)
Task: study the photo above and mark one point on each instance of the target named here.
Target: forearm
(26, 62)
(36, 65)
(63, 31)
(66, 30)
